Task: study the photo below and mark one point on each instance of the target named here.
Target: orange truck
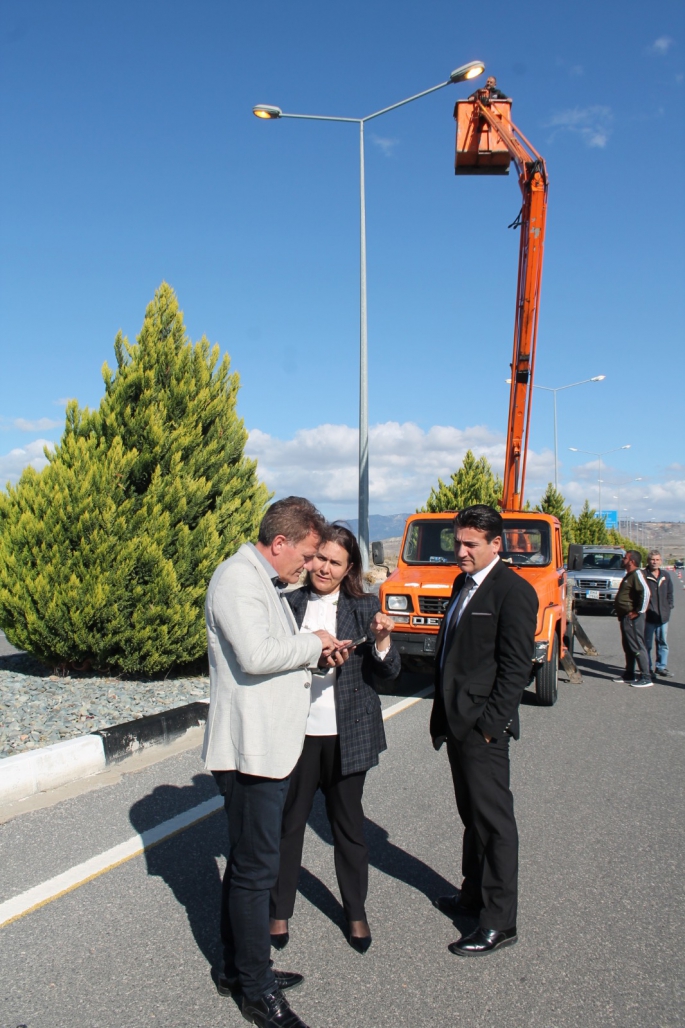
(417, 593)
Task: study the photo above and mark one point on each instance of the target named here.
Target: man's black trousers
(480, 771)
(319, 767)
(633, 639)
(254, 808)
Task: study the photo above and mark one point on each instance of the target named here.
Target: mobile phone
(355, 642)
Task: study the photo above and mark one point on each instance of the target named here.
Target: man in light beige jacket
(260, 671)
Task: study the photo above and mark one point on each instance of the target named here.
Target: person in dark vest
(631, 603)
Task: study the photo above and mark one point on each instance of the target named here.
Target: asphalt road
(6, 648)
(598, 781)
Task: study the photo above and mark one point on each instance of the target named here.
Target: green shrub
(106, 554)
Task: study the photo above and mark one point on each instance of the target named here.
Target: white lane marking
(44, 893)
(409, 702)
(12, 909)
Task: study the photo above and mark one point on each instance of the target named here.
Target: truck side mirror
(575, 557)
(377, 555)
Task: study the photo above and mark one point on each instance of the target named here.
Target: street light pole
(595, 378)
(268, 112)
(599, 456)
(363, 498)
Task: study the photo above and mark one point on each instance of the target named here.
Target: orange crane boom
(487, 140)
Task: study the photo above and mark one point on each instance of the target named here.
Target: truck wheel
(546, 678)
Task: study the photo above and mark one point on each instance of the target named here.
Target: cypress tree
(106, 554)
(589, 529)
(474, 482)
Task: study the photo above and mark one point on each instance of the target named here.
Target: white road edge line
(12, 909)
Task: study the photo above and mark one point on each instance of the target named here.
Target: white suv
(595, 582)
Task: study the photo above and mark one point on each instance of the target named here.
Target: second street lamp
(596, 378)
(268, 112)
(599, 456)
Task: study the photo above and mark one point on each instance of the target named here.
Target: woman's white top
(321, 614)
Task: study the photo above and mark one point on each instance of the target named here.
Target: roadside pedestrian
(483, 664)
(658, 613)
(260, 671)
(630, 604)
(345, 732)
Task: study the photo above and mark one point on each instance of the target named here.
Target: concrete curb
(49, 767)
(123, 741)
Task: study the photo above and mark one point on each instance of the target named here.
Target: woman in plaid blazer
(344, 735)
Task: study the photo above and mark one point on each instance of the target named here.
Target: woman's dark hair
(352, 584)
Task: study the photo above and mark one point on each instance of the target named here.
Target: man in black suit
(483, 664)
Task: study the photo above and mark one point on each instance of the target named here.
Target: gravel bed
(38, 708)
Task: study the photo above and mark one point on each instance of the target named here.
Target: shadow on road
(384, 855)
(187, 862)
(412, 680)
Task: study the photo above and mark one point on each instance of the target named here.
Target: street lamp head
(467, 71)
(574, 448)
(598, 378)
(267, 112)
(626, 447)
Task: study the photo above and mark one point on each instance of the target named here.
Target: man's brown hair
(294, 517)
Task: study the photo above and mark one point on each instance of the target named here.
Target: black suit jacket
(490, 660)
(357, 706)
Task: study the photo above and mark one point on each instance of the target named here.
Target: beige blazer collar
(286, 616)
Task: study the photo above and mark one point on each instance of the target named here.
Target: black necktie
(279, 586)
(454, 618)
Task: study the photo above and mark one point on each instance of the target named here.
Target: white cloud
(574, 70)
(13, 463)
(385, 144)
(405, 462)
(662, 45)
(62, 401)
(592, 124)
(40, 425)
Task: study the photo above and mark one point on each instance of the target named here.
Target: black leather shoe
(483, 940)
(281, 940)
(271, 1011)
(284, 980)
(455, 906)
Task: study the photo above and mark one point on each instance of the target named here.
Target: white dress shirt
(321, 615)
(476, 579)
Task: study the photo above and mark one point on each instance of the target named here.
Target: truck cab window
(526, 543)
(429, 542)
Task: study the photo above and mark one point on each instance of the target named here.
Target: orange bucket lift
(480, 148)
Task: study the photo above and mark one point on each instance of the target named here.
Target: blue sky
(131, 156)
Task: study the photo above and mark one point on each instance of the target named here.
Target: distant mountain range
(381, 526)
